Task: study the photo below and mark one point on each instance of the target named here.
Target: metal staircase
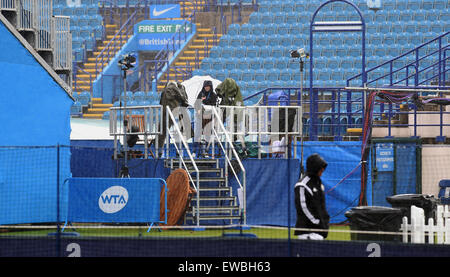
(217, 201)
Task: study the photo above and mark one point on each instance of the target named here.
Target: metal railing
(8, 5)
(43, 12)
(230, 153)
(181, 146)
(62, 43)
(263, 125)
(147, 119)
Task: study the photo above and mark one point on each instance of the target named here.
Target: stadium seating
(86, 25)
(280, 26)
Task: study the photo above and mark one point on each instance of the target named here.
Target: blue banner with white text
(115, 199)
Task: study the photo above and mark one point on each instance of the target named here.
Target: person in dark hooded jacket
(310, 201)
(207, 94)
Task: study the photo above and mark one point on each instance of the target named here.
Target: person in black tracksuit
(310, 201)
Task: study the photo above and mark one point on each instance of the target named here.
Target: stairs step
(201, 46)
(211, 179)
(216, 208)
(94, 116)
(97, 110)
(217, 189)
(215, 198)
(103, 105)
(216, 217)
(204, 170)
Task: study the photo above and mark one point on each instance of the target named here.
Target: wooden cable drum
(178, 197)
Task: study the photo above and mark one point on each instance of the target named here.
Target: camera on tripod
(299, 53)
(127, 61)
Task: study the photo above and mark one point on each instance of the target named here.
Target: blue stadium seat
(268, 63)
(84, 98)
(255, 64)
(295, 29)
(58, 9)
(233, 29)
(261, 40)
(259, 75)
(139, 96)
(85, 32)
(255, 18)
(274, 40)
(215, 52)
(291, 18)
(384, 27)
(221, 75)
(235, 74)
(217, 64)
(405, 15)
(275, 6)
(239, 52)
(252, 52)
(285, 75)
(283, 29)
(76, 109)
(279, 51)
(279, 17)
(92, 9)
(89, 44)
(236, 41)
(245, 29)
(247, 75)
(106, 115)
(224, 40)
(410, 27)
(80, 10)
(266, 18)
(264, 7)
(68, 11)
(243, 63)
(441, 5)
(128, 96)
(281, 63)
(270, 29)
(95, 20)
(287, 6)
(227, 52)
(272, 75)
(231, 63)
(257, 29)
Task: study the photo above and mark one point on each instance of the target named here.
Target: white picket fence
(417, 230)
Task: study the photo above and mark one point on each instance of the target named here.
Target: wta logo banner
(113, 199)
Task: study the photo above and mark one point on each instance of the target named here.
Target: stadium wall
(35, 116)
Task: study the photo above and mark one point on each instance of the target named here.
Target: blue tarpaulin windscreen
(270, 183)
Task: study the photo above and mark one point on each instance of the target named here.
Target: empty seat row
(91, 9)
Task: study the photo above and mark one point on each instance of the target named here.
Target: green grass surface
(335, 232)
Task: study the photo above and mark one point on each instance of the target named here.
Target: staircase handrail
(217, 122)
(170, 118)
(105, 54)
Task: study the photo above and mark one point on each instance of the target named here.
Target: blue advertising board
(385, 156)
(115, 200)
(165, 11)
(154, 35)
